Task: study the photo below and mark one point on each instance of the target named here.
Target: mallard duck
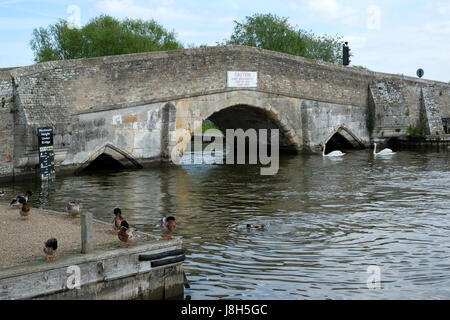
(255, 226)
(117, 220)
(74, 208)
(167, 225)
(24, 211)
(20, 199)
(50, 247)
(126, 234)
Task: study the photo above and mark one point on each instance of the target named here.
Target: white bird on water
(383, 152)
(335, 153)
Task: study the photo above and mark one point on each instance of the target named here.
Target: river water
(326, 222)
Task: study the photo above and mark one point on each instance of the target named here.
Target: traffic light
(345, 54)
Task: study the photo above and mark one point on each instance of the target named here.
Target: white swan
(335, 153)
(383, 152)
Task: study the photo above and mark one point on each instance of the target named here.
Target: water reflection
(327, 221)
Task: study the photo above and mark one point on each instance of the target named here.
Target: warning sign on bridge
(242, 79)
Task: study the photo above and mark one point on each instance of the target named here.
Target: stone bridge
(135, 109)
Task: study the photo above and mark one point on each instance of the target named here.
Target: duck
(383, 152)
(167, 225)
(74, 208)
(116, 222)
(20, 199)
(2, 194)
(335, 153)
(24, 211)
(126, 234)
(255, 226)
(50, 247)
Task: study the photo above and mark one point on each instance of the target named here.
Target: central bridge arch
(236, 110)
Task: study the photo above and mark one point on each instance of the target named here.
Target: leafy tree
(102, 36)
(271, 32)
(268, 32)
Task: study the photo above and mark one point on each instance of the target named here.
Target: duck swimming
(74, 208)
(20, 199)
(167, 225)
(255, 226)
(50, 247)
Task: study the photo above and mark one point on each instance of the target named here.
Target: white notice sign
(242, 79)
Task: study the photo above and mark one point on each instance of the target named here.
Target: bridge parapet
(81, 98)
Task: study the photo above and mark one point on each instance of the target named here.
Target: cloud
(16, 24)
(161, 10)
(443, 8)
(326, 10)
(356, 42)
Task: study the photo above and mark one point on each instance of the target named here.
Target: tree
(271, 32)
(102, 36)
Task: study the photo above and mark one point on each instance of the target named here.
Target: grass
(210, 126)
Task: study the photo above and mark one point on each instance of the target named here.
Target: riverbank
(22, 241)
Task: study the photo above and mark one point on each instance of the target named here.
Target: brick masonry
(119, 101)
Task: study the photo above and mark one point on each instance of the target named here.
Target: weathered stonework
(139, 107)
(7, 111)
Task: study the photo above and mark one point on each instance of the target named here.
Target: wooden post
(86, 232)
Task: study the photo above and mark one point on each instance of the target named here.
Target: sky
(392, 36)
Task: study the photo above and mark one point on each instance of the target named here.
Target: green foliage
(102, 36)
(324, 48)
(209, 126)
(415, 131)
(361, 68)
(268, 32)
(271, 32)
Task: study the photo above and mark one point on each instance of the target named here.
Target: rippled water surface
(326, 221)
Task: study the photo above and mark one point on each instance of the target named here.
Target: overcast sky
(393, 36)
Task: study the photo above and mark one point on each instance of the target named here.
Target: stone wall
(399, 105)
(7, 111)
(118, 101)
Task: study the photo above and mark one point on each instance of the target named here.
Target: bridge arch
(342, 138)
(109, 157)
(238, 114)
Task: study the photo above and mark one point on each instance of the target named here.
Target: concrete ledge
(112, 274)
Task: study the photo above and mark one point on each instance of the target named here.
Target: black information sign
(46, 153)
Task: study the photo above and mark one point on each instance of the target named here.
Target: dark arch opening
(104, 162)
(343, 140)
(109, 158)
(246, 117)
(338, 142)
